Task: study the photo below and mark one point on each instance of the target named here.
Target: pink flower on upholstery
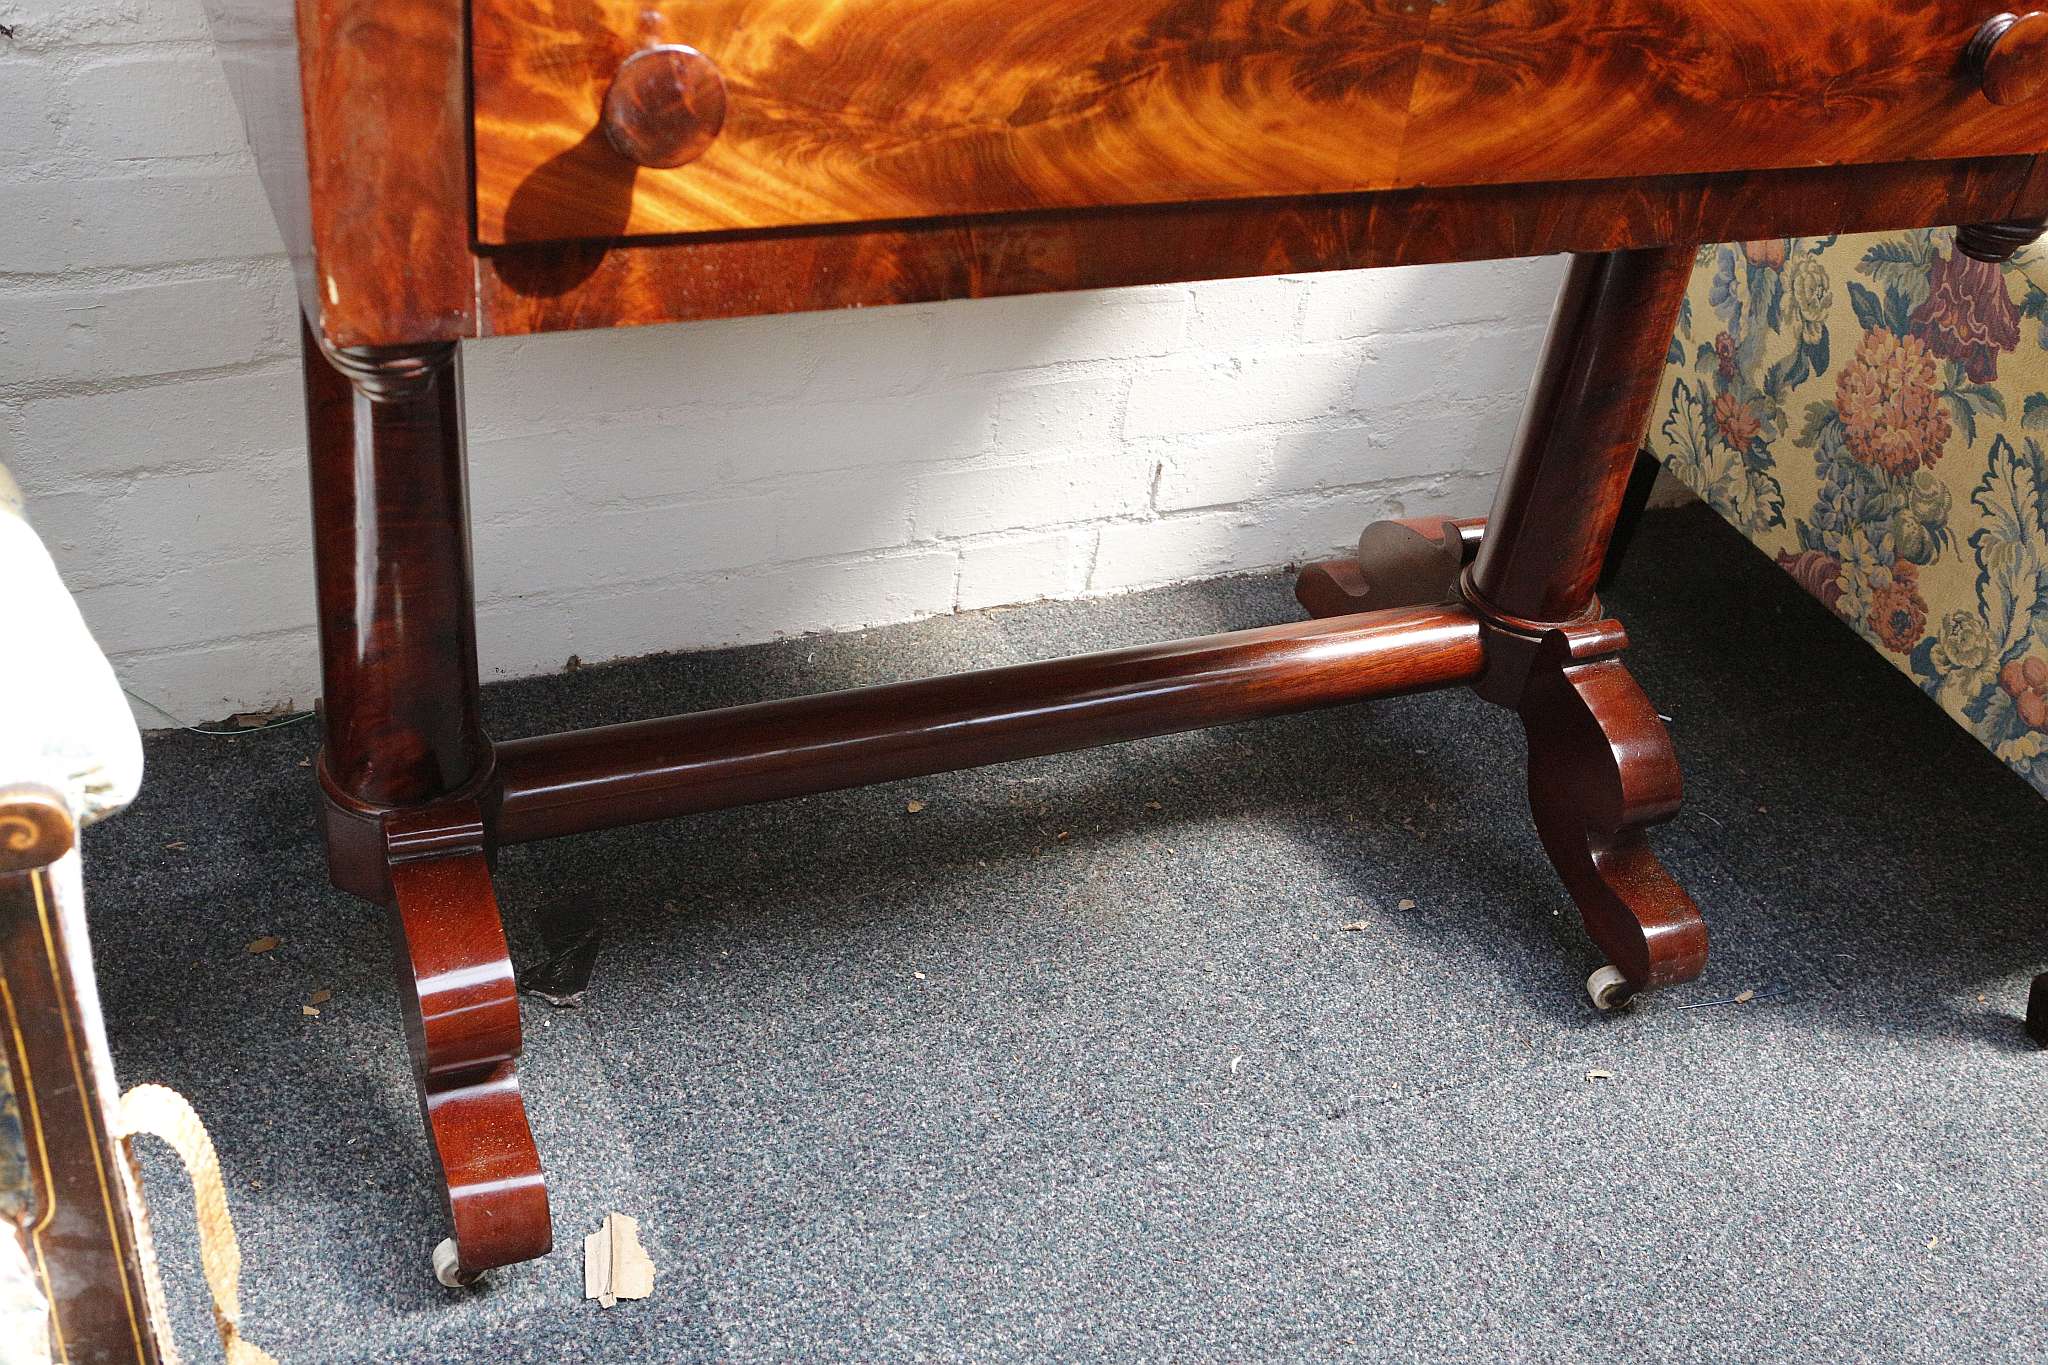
(1771, 252)
(1890, 413)
(1898, 613)
(2026, 682)
(1736, 421)
(1724, 355)
(1969, 315)
(1818, 573)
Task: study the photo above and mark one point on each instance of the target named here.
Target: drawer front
(867, 111)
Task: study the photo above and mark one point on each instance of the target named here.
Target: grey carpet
(1080, 1062)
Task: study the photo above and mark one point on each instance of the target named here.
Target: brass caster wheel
(448, 1266)
(1609, 989)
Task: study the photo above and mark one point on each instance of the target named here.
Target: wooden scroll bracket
(1602, 769)
(462, 1022)
(1403, 562)
(1601, 766)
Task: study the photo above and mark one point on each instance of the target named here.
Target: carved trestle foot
(1601, 771)
(462, 1021)
(1404, 562)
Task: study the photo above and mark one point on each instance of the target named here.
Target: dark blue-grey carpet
(1084, 1060)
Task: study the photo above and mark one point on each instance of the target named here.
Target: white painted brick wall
(675, 487)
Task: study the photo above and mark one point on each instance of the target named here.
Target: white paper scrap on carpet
(614, 1265)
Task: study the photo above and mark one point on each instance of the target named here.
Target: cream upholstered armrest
(65, 726)
(69, 754)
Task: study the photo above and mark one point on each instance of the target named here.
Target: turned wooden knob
(2009, 55)
(665, 106)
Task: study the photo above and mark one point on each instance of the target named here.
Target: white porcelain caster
(1608, 988)
(448, 1266)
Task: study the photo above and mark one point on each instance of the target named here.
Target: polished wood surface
(1601, 766)
(1601, 771)
(651, 770)
(1997, 243)
(1528, 90)
(664, 106)
(601, 284)
(405, 769)
(461, 1008)
(2009, 57)
(360, 117)
(1546, 538)
(391, 567)
(645, 163)
(1406, 561)
(879, 110)
(866, 111)
(79, 1234)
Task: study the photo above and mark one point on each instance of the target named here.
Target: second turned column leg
(1601, 767)
(406, 773)
(1566, 476)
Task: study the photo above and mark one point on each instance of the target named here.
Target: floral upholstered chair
(1871, 411)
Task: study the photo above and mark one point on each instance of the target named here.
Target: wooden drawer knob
(2010, 57)
(665, 106)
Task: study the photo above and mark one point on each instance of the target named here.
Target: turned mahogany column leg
(397, 622)
(1565, 478)
(1601, 765)
(406, 773)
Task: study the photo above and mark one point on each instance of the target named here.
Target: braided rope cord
(163, 1113)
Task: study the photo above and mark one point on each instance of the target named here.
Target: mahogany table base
(417, 797)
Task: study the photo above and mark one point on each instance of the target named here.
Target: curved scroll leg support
(462, 1020)
(1406, 562)
(2037, 1010)
(1601, 770)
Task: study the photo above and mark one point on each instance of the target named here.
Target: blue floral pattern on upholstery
(1870, 410)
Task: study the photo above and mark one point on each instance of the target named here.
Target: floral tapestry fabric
(1870, 411)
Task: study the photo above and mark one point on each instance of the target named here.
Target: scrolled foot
(1406, 562)
(462, 1020)
(1601, 771)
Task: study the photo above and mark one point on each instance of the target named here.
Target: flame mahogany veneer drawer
(863, 111)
